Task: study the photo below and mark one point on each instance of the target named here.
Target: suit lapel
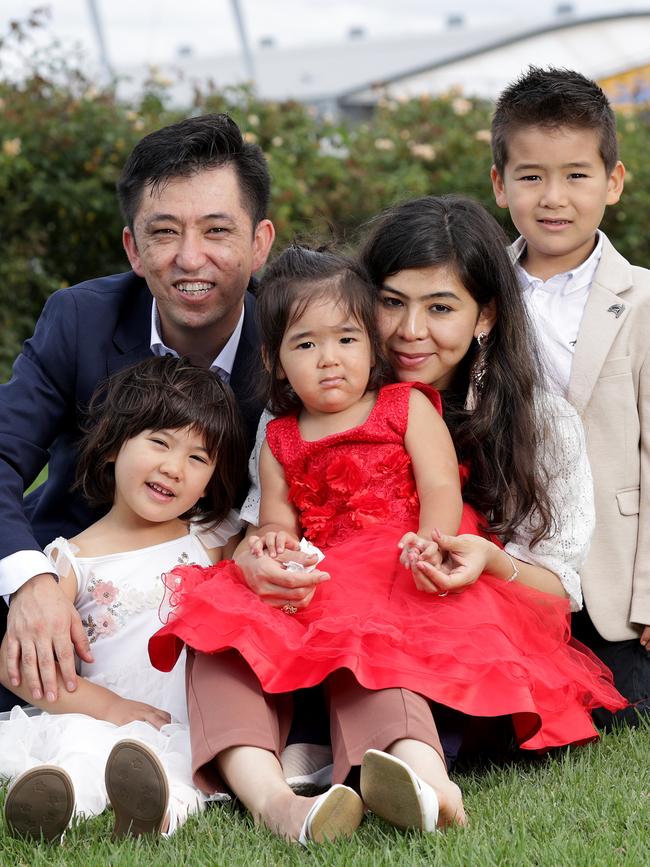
(247, 371)
(604, 315)
(132, 336)
(247, 368)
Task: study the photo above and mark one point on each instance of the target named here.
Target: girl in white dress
(163, 449)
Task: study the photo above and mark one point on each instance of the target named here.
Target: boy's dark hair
(162, 394)
(500, 437)
(190, 146)
(553, 98)
(295, 279)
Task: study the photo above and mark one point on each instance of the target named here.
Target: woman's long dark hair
(501, 437)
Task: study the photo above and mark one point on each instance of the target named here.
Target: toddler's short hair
(553, 98)
(298, 277)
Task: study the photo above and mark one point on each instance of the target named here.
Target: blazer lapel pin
(616, 309)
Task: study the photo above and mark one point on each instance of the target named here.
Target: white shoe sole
(393, 791)
(337, 813)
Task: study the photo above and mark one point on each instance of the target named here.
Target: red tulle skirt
(496, 648)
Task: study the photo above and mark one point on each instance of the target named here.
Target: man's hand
(276, 585)
(43, 626)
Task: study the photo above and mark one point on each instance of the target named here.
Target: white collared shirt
(222, 364)
(19, 567)
(556, 307)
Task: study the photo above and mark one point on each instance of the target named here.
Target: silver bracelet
(515, 570)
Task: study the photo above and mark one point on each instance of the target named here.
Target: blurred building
(352, 76)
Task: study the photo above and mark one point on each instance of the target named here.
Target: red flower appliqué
(368, 508)
(344, 475)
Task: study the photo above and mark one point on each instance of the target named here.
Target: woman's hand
(276, 585)
(464, 559)
(121, 711)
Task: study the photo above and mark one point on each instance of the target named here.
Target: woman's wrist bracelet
(515, 570)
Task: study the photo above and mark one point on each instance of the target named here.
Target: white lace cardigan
(570, 492)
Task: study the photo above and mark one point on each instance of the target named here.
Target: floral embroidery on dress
(104, 592)
(343, 497)
(115, 605)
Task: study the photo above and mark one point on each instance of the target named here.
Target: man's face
(556, 187)
(196, 246)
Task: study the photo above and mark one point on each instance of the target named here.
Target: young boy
(556, 168)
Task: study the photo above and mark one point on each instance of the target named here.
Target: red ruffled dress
(497, 648)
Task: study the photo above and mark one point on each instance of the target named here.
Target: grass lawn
(588, 806)
(42, 476)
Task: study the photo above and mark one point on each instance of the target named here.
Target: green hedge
(63, 142)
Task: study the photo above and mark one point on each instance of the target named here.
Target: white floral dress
(121, 600)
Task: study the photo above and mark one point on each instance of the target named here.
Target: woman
(450, 314)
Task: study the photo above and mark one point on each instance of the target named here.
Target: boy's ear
(615, 183)
(486, 318)
(498, 188)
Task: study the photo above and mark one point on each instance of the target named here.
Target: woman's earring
(477, 372)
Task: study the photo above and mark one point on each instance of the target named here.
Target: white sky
(151, 31)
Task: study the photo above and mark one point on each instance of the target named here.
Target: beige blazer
(610, 388)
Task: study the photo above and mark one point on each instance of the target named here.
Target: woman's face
(427, 320)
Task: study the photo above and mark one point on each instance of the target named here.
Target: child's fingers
(283, 540)
(157, 718)
(270, 542)
(409, 557)
(431, 553)
(410, 546)
(411, 540)
(256, 545)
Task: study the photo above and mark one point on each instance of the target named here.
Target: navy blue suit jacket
(85, 333)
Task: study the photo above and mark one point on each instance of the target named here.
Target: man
(194, 196)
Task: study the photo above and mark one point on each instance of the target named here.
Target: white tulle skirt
(81, 745)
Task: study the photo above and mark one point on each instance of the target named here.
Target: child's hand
(411, 546)
(122, 711)
(416, 550)
(645, 638)
(273, 543)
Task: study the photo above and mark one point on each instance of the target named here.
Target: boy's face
(556, 187)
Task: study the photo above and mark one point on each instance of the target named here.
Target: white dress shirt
(222, 364)
(556, 307)
(19, 567)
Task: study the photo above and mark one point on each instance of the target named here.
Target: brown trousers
(227, 707)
